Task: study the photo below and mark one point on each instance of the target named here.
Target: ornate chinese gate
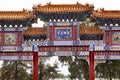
(67, 32)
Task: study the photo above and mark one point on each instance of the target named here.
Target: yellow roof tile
(16, 15)
(107, 14)
(92, 30)
(62, 8)
(36, 31)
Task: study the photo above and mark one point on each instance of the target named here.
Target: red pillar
(91, 66)
(35, 67)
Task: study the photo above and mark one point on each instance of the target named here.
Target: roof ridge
(55, 8)
(106, 14)
(16, 15)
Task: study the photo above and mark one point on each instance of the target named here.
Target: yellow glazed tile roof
(105, 14)
(16, 15)
(62, 8)
(36, 31)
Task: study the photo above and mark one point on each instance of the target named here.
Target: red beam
(35, 67)
(91, 66)
(63, 48)
(17, 53)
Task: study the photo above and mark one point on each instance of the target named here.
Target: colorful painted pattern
(10, 39)
(115, 38)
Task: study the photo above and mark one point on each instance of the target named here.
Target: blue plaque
(63, 32)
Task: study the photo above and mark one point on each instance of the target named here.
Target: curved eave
(40, 37)
(79, 16)
(102, 22)
(91, 37)
(15, 22)
(108, 18)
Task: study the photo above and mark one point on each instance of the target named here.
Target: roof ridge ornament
(87, 4)
(78, 3)
(101, 10)
(49, 3)
(25, 10)
(39, 5)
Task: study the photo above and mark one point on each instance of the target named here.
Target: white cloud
(62, 68)
(28, 4)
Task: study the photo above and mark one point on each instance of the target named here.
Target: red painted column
(35, 66)
(91, 66)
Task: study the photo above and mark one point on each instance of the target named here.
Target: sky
(28, 4)
(62, 68)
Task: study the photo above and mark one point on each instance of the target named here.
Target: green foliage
(59, 75)
(65, 59)
(78, 68)
(47, 72)
(109, 70)
(14, 70)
